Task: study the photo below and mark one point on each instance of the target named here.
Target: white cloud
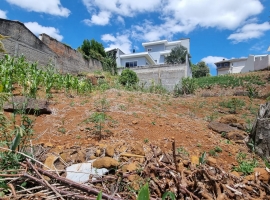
(52, 7)
(121, 20)
(3, 14)
(179, 16)
(119, 41)
(103, 18)
(211, 60)
(38, 29)
(249, 31)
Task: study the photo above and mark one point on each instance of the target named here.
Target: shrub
(128, 77)
(189, 85)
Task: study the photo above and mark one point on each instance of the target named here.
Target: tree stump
(260, 133)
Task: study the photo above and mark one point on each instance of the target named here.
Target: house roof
(113, 49)
(232, 60)
(166, 52)
(142, 54)
(165, 42)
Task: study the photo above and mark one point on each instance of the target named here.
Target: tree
(200, 70)
(128, 77)
(109, 62)
(178, 55)
(92, 48)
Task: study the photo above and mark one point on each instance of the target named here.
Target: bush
(189, 85)
(128, 77)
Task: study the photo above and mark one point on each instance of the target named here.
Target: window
(150, 49)
(155, 61)
(218, 65)
(131, 64)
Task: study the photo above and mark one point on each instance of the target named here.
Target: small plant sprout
(146, 140)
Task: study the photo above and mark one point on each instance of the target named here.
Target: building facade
(243, 65)
(154, 53)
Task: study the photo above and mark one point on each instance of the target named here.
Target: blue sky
(217, 28)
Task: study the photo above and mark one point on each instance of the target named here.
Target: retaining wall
(70, 60)
(166, 75)
(49, 51)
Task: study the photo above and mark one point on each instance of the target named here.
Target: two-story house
(154, 53)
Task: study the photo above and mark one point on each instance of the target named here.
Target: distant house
(150, 64)
(154, 53)
(243, 65)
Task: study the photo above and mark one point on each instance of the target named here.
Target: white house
(154, 53)
(243, 65)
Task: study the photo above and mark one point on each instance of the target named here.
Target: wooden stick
(76, 196)
(46, 182)
(74, 184)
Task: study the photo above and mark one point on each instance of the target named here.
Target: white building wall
(237, 66)
(223, 71)
(261, 62)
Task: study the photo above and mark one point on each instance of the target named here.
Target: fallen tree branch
(46, 182)
(75, 185)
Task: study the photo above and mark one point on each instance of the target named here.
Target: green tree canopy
(178, 55)
(200, 70)
(92, 48)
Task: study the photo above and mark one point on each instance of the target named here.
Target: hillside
(114, 121)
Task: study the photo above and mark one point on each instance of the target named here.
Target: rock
(138, 149)
(57, 150)
(186, 163)
(123, 149)
(220, 127)
(48, 144)
(92, 157)
(236, 136)
(211, 161)
(105, 162)
(250, 177)
(136, 181)
(233, 121)
(31, 106)
(66, 156)
(133, 177)
(98, 152)
(49, 162)
(110, 151)
(130, 167)
(235, 174)
(229, 119)
(263, 175)
(81, 157)
(134, 122)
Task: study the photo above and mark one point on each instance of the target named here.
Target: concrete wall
(70, 60)
(23, 41)
(261, 62)
(166, 75)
